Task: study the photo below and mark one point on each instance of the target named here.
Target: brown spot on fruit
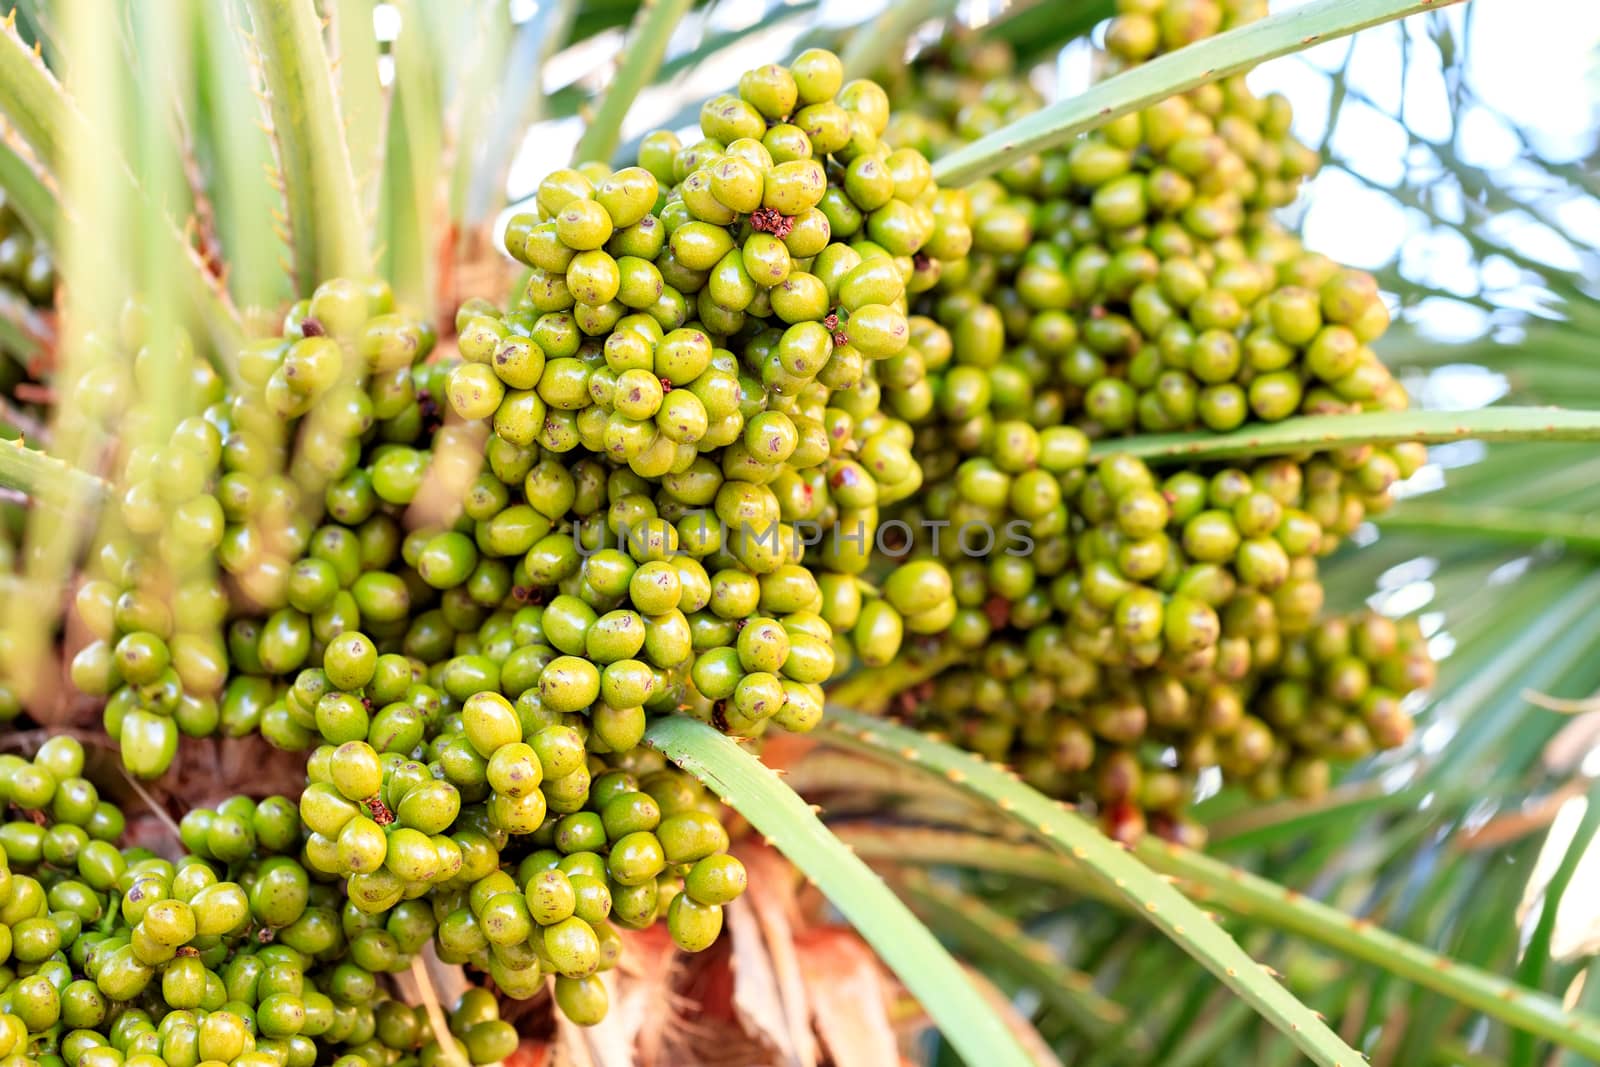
(770, 220)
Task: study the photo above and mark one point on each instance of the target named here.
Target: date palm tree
(218, 160)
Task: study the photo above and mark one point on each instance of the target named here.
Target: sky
(1545, 82)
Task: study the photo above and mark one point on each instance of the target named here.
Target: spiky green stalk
(326, 226)
(984, 933)
(903, 943)
(1256, 899)
(1209, 60)
(47, 480)
(1315, 433)
(1153, 898)
(1252, 897)
(51, 122)
(27, 193)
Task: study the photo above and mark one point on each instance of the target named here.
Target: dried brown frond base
(705, 1028)
(206, 772)
(210, 770)
(752, 1000)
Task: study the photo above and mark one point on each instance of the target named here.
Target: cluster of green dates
(407, 600)
(232, 955)
(1137, 282)
(722, 330)
(1144, 626)
(153, 607)
(1137, 742)
(769, 407)
(195, 595)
